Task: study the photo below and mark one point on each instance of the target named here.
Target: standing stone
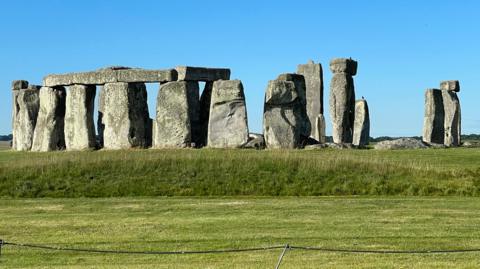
(452, 123)
(17, 85)
(205, 102)
(177, 114)
(228, 126)
(433, 121)
(283, 116)
(125, 115)
(313, 74)
(49, 130)
(300, 88)
(26, 108)
(79, 126)
(361, 131)
(342, 99)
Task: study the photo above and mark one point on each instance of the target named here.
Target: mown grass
(210, 172)
(374, 223)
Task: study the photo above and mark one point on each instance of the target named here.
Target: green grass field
(208, 172)
(216, 223)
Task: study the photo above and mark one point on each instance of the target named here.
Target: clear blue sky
(403, 47)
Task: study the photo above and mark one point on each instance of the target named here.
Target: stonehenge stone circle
(284, 115)
(177, 114)
(125, 115)
(361, 130)
(25, 112)
(313, 75)
(342, 99)
(452, 123)
(228, 125)
(79, 125)
(49, 130)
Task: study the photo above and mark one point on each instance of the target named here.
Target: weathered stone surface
(19, 84)
(255, 141)
(450, 85)
(318, 133)
(452, 122)
(340, 145)
(228, 125)
(177, 114)
(401, 143)
(205, 101)
(49, 130)
(342, 107)
(361, 130)
(283, 116)
(433, 121)
(109, 75)
(343, 65)
(26, 108)
(125, 115)
(313, 75)
(300, 89)
(202, 73)
(79, 126)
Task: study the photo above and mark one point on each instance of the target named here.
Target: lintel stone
(202, 73)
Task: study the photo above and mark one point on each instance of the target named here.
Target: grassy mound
(240, 172)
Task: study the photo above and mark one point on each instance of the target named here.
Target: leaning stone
(79, 126)
(19, 84)
(343, 65)
(255, 141)
(452, 122)
(342, 107)
(27, 104)
(313, 76)
(433, 121)
(49, 129)
(228, 125)
(104, 76)
(402, 143)
(284, 116)
(125, 115)
(361, 130)
(177, 114)
(202, 73)
(450, 85)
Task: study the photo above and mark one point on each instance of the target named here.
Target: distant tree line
(6, 137)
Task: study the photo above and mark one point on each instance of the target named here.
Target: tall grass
(210, 172)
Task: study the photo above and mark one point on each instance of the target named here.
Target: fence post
(287, 247)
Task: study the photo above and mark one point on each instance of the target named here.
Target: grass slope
(217, 223)
(240, 172)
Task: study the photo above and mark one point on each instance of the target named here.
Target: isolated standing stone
(125, 115)
(49, 130)
(79, 126)
(361, 131)
(177, 114)
(26, 108)
(433, 121)
(284, 115)
(342, 99)
(313, 74)
(452, 123)
(228, 126)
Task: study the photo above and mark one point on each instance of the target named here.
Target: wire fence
(285, 248)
